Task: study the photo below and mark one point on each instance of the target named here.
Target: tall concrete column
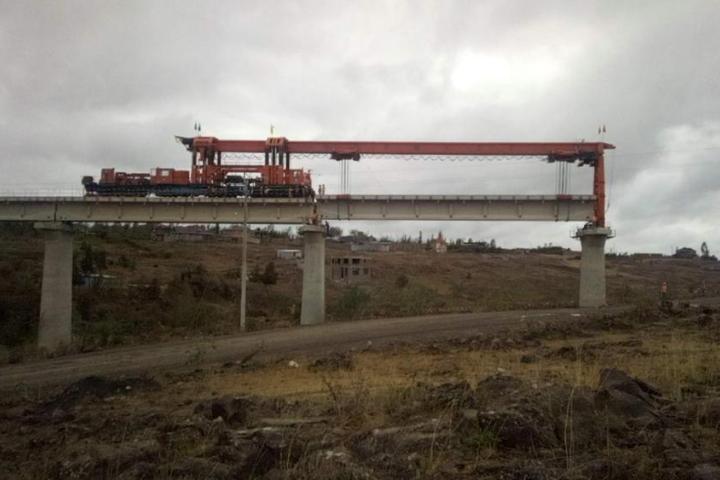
(592, 265)
(313, 294)
(55, 327)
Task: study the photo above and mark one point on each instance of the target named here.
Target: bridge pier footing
(592, 265)
(55, 325)
(313, 294)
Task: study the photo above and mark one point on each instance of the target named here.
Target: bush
(91, 261)
(401, 281)
(268, 277)
(125, 262)
(352, 304)
(19, 302)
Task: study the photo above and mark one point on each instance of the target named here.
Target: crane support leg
(599, 190)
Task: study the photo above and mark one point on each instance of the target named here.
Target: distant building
(350, 269)
(235, 234)
(97, 279)
(289, 254)
(440, 244)
(646, 255)
(187, 233)
(685, 252)
(174, 236)
(370, 246)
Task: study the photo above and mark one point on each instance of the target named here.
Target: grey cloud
(87, 84)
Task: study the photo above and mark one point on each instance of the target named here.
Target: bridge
(578, 208)
(56, 215)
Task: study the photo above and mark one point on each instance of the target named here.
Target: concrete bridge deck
(297, 211)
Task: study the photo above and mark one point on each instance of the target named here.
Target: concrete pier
(592, 265)
(313, 294)
(55, 327)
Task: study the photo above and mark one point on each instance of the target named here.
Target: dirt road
(302, 340)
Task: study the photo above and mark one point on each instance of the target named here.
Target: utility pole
(243, 270)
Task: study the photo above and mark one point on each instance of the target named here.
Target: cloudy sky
(87, 84)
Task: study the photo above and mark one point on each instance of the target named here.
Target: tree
(492, 243)
(100, 259)
(268, 277)
(705, 250)
(335, 232)
(87, 265)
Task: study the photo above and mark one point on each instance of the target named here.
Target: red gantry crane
(214, 173)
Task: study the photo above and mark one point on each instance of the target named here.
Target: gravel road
(319, 339)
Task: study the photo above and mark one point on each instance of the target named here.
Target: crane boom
(277, 150)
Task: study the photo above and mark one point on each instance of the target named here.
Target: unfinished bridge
(55, 215)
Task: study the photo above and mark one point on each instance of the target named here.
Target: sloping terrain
(153, 291)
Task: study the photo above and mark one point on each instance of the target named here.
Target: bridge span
(55, 216)
(297, 211)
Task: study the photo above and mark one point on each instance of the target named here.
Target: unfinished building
(350, 269)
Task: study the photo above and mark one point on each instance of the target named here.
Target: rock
(405, 438)
(291, 422)
(96, 460)
(514, 429)
(335, 361)
(469, 414)
(191, 467)
(233, 410)
(4, 355)
(98, 387)
(528, 359)
(619, 380)
(576, 420)
(706, 471)
(566, 353)
(450, 394)
(709, 413)
(335, 463)
(627, 397)
(140, 470)
(671, 439)
(498, 388)
(676, 448)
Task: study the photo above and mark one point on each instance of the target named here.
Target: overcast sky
(86, 85)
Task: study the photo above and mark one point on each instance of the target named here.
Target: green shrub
(352, 304)
(268, 276)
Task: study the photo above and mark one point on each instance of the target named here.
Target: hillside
(153, 290)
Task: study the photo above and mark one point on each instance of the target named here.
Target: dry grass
(670, 359)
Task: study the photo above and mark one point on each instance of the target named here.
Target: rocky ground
(631, 396)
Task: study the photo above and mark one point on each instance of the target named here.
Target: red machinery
(278, 151)
(211, 174)
(208, 166)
